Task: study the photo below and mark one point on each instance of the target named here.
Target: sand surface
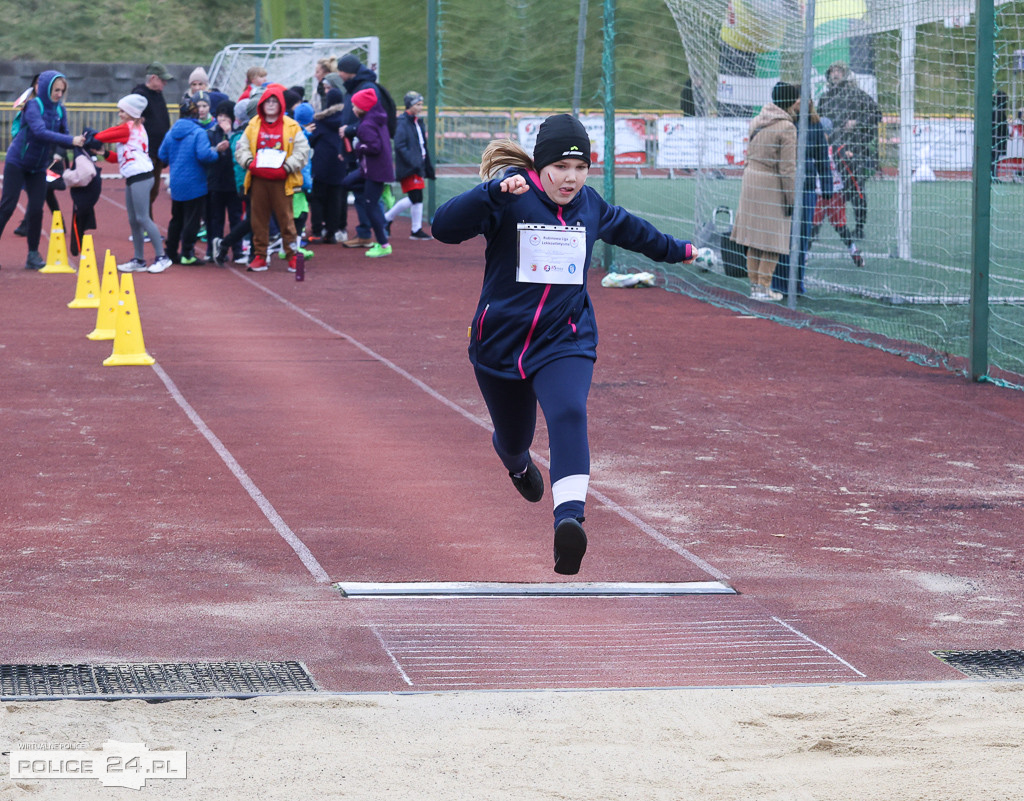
(957, 740)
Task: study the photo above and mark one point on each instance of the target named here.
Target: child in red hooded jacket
(273, 149)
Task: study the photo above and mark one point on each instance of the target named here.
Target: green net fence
(685, 79)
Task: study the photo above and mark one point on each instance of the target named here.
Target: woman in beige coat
(765, 212)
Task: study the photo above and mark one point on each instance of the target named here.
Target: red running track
(293, 435)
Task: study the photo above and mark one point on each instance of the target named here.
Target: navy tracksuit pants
(561, 388)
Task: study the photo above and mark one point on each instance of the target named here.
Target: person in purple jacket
(376, 168)
(42, 129)
(534, 337)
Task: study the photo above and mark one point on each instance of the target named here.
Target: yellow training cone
(87, 292)
(57, 254)
(106, 314)
(128, 345)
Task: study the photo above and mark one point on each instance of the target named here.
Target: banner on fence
(630, 137)
(698, 142)
(721, 142)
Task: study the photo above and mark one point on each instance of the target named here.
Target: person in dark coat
(412, 164)
(157, 120)
(328, 202)
(855, 118)
(356, 77)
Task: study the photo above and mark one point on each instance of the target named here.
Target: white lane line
(282, 528)
(817, 644)
(647, 529)
(391, 656)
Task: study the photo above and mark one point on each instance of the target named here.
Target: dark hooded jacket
(43, 129)
(328, 145)
(409, 153)
(519, 327)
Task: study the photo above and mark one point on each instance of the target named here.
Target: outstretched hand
(516, 184)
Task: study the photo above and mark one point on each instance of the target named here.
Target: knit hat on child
(561, 136)
(364, 99)
(133, 105)
(412, 98)
(198, 74)
(303, 114)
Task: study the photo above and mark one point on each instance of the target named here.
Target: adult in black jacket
(855, 119)
(157, 120)
(328, 201)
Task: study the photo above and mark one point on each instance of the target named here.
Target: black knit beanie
(561, 136)
(785, 95)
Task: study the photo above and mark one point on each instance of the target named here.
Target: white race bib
(551, 254)
(269, 157)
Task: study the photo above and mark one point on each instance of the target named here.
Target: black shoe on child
(22, 229)
(530, 484)
(570, 545)
(35, 261)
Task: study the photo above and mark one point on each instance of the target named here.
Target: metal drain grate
(162, 679)
(985, 664)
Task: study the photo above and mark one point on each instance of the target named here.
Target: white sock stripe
(570, 488)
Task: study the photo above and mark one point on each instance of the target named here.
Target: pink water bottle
(300, 266)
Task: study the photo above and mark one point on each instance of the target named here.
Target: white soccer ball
(706, 259)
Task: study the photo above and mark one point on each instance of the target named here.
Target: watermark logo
(128, 765)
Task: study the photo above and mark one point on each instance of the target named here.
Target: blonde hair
(501, 154)
(253, 73)
(328, 64)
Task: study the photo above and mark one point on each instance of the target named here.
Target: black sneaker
(35, 261)
(22, 229)
(530, 484)
(420, 234)
(570, 545)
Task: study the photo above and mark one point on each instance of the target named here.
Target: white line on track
(282, 528)
(625, 514)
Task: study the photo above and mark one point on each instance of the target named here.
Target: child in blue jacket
(186, 150)
(534, 337)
